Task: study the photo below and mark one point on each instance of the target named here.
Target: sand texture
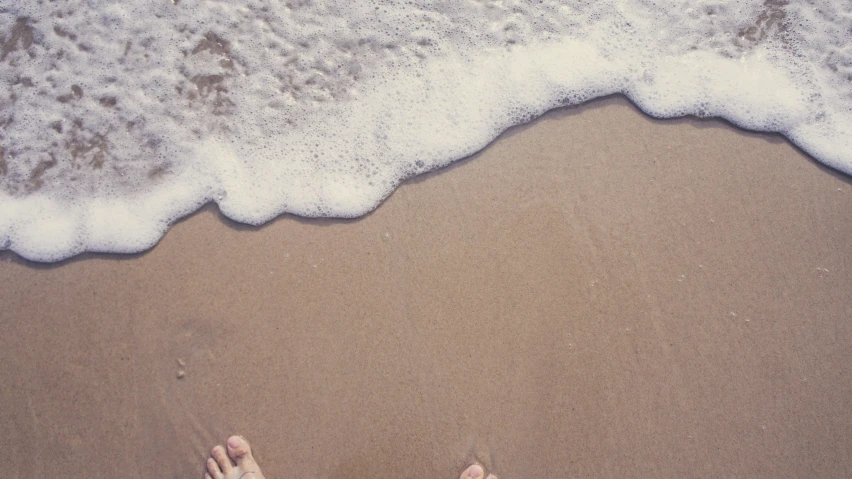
(597, 294)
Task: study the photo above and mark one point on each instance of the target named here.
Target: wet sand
(596, 294)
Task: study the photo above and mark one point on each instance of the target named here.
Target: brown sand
(594, 295)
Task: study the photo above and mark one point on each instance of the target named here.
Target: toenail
(475, 472)
(234, 442)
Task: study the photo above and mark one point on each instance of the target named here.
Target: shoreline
(618, 98)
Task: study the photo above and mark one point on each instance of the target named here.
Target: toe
(208, 476)
(491, 476)
(213, 471)
(222, 459)
(473, 472)
(240, 452)
(238, 448)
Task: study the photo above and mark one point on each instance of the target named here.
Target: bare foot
(236, 463)
(475, 472)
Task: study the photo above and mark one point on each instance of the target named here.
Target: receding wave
(117, 118)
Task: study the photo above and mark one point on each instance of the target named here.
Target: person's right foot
(475, 472)
(237, 463)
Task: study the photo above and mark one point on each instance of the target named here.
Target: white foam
(119, 118)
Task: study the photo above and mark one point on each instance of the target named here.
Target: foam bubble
(118, 118)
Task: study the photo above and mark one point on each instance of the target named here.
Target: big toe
(473, 472)
(240, 452)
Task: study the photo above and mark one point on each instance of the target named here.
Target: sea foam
(117, 118)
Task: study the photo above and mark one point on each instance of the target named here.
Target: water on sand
(117, 119)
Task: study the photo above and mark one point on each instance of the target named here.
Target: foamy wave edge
(483, 97)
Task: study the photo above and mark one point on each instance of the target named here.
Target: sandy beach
(596, 294)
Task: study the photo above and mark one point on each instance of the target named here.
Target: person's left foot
(236, 463)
